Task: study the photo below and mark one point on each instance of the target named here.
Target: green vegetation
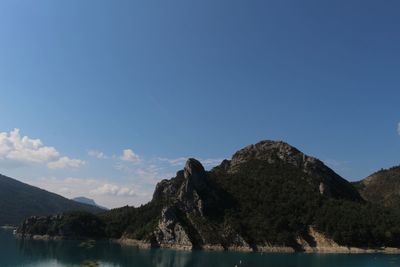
(276, 203)
(136, 223)
(361, 225)
(69, 225)
(382, 187)
(268, 203)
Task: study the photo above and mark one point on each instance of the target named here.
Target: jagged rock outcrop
(185, 187)
(192, 194)
(184, 203)
(170, 232)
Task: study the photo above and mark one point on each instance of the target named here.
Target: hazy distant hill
(382, 187)
(268, 194)
(88, 201)
(19, 200)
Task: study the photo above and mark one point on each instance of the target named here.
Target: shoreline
(331, 249)
(260, 249)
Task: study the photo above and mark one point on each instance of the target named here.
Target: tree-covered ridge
(259, 198)
(382, 187)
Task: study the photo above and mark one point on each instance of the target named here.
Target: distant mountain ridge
(268, 197)
(88, 201)
(19, 201)
(382, 187)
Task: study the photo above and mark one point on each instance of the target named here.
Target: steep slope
(382, 187)
(19, 200)
(269, 196)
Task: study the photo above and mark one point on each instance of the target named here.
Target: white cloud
(174, 162)
(129, 155)
(398, 128)
(97, 154)
(211, 162)
(109, 194)
(105, 189)
(17, 150)
(24, 149)
(114, 190)
(65, 162)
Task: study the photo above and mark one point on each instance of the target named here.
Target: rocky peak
(185, 189)
(272, 152)
(195, 175)
(193, 167)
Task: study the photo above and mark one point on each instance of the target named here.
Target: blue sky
(121, 92)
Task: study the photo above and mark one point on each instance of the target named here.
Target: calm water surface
(68, 253)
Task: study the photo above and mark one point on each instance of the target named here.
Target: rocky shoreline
(320, 244)
(264, 249)
(323, 246)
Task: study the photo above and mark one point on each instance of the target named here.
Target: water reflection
(71, 253)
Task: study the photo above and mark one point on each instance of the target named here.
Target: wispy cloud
(114, 190)
(398, 128)
(129, 155)
(97, 154)
(65, 162)
(110, 194)
(174, 161)
(210, 162)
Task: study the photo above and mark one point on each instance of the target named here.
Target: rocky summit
(278, 152)
(269, 197)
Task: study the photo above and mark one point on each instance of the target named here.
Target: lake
(30, 253)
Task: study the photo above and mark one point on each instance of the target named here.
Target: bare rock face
(170, 232)
(233, 240)
(195, 181)
(185, 187)
(184, 193)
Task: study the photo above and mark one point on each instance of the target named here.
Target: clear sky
(121, 92)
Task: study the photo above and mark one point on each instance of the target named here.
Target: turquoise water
(68, 253)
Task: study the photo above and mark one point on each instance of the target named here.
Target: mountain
(85, 200)
(382, 187)
(268, 197)
(19, 201)
(88, 201)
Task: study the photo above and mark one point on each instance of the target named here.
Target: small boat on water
(14, 231)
